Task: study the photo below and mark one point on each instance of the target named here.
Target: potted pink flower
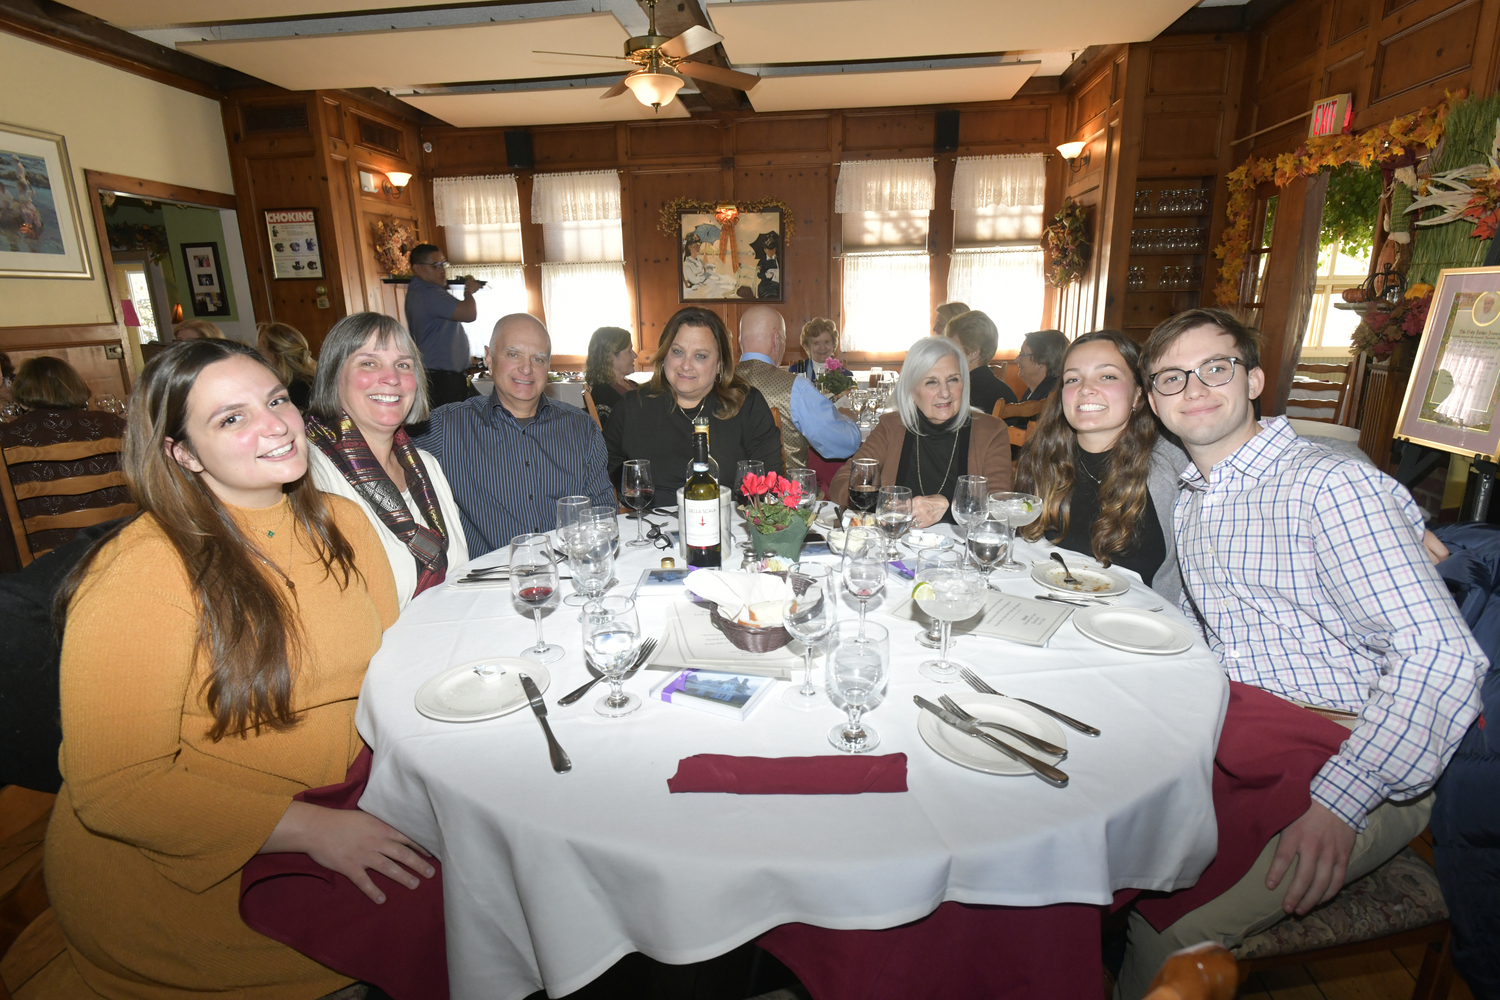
(777, 525)
(835, 378)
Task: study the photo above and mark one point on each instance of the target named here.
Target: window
(139, 293)
(1330, 329)
(885, 207)
(997, 229)
(481, 220)
(583, 275)
(504, 293)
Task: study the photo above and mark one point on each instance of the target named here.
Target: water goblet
(864, 567)
(988, 542)
(808, 616)
(570, 512)
(636, 490)
(949, 593)
(894, 514)
(612, 638)
(858, 672)
(606, 519)
(533, 581)
(1018, 510)
(591, 558)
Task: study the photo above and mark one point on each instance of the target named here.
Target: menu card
(1020, 619)
(692, 641)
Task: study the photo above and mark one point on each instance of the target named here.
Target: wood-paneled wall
(744, 156)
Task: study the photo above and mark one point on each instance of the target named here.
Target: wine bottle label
(700, 522)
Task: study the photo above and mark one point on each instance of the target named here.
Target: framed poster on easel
(1454, 390)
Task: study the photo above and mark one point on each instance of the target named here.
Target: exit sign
(1332, 115)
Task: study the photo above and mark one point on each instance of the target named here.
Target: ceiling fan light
(1071, 150)
(654, 89)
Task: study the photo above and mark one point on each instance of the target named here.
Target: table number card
(1020, 619)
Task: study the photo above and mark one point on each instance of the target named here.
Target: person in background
(369, 388)
(693, 373)
(213, 652)
(976, 335)
(945, 314)
(1039, 362)
(436, 320)
(7, 376)
(807, 416)
(54, 402)
(933, 437)
(511, 455)
(1306, 572)
(1107, 479)
(197, 329)
(287, 350)
(611, 359)
(820, 341)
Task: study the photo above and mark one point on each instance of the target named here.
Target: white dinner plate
(1133, 630)
(916, 541)
(462, 694)
(972, 752)
(1093, 579)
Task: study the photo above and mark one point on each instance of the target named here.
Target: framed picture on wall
(41, 228)
(296, 250)
(1454, 390)
(737, 261)
(204, 280)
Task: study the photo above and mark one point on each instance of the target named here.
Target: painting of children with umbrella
(730, 256)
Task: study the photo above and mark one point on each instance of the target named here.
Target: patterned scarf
(346, 448)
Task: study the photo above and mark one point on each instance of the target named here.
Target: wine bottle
(700, 505)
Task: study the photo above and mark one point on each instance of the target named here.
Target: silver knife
(1043, 770)
(560, 762)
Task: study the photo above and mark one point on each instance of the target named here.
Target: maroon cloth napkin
(712, 772)
(399, 946)
(1269, 752)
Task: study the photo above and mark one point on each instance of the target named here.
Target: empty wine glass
(533, 581)
(808, 615)
(606, 519)
(988, 542)
(1017, 510)
(950, 593)
(637, 490)
(971, 499)
(570, 511)
(807, 479)
(864, 567)
(612, 638)
(894, 514)
(746, 467)
(858, 672)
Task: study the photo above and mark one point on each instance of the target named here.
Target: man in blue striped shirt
(511, 455)
(1307, 573)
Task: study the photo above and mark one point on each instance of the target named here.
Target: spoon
(1068, 576)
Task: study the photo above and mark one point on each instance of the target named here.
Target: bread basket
(748, 637)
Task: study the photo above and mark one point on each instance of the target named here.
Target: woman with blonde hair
(287, 350)
(197, 329)
(820, 341)
(213, 652)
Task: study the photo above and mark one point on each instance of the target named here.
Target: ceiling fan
(664, 62)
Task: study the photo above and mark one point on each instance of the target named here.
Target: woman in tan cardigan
(212, 657)
(933, 438)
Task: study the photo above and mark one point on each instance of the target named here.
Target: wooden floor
(1387, 975)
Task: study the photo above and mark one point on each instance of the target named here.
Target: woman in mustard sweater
(213, 653)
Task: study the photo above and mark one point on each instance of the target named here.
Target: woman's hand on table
(352, 843)
(929, 510)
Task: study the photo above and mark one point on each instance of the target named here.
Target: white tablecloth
(549, 879)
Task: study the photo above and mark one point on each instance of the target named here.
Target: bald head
(763, 331)
(519, 353)
(519, 323)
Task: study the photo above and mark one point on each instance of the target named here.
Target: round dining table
(549, 878)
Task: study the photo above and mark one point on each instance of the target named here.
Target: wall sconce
(398, 179)
(1076, 153)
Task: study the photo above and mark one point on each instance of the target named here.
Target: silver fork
(647, 648)
(977, 683)
(1048, 748)
(1067, 573)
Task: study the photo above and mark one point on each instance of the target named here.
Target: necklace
(921, 490)
(678, 407)
(1079, 463)
(275, 568)
(271, 532)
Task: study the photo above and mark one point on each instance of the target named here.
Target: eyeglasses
(1025, 355)
(433, 263)
(655, 536)
(1215, 372)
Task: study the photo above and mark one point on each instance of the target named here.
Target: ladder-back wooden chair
(68, 451)
(1331, 403)
(1029, 409)
(588, 404)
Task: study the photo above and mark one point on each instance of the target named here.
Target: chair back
(1324, 389)
(776, 417)
(588, 404)
(67, 451)
(1029, 409)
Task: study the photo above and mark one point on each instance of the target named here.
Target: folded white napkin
(737, 593)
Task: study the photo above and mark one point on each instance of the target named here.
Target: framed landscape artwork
(41, 231)
(205, 279)
(738, 261)
(1454, 391)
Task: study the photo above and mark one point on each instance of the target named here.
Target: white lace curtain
(504, 293)
(579, 298)
(476, 201)
(885, 301)
(1005, 284)
(885, 186)
(989, 181)
(588, 196)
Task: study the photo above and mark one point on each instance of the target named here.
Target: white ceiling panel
(424, 56)
(760, 32)
(155, 13)
(537, 107)
(888, 89)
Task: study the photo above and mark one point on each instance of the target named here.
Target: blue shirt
(817, 418)
(429, 317)
(507, 477)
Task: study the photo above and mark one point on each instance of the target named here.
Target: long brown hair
(728, 386)
(1047, 462)
(247, 625)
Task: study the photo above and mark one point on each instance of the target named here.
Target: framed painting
(41, 228)
(737, 261)
(205, 279)
(1454, 390)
